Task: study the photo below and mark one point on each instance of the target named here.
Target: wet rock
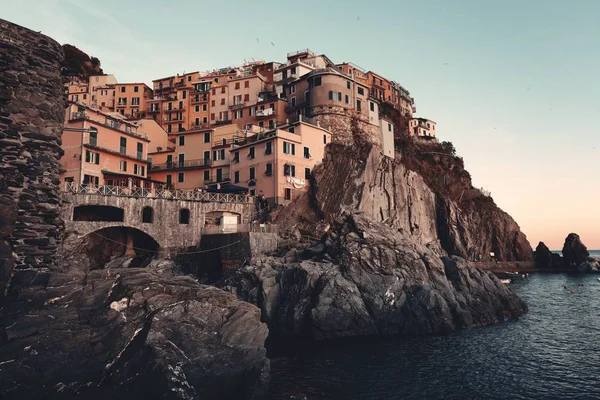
(135, 333)
(380, 282)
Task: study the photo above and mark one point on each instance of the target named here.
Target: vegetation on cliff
(79, 63)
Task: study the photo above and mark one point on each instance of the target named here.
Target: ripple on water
(551, 352)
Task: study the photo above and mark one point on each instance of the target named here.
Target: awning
(226, 188)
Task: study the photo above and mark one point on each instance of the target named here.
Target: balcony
(176, 165)
(174, 118)
(269, 112)
(174, 109)
(237, 106)
(199, 98)
(199, 125)
(121, 104)
(152, 110)
(92, 144)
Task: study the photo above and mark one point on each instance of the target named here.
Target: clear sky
(514, 84)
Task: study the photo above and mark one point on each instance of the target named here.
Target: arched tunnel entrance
(119, 247)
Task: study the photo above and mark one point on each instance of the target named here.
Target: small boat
(505, 281)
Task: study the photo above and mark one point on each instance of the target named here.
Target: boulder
(135, 333)
(373, 280)
(545, 259)
(574, 252)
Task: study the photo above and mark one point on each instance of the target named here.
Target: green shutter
(87, 156)
(97, 158)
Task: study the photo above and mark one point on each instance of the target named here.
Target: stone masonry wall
(31, 116)
(340, 122)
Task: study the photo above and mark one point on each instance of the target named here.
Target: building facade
(422, 128)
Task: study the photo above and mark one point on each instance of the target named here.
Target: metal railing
(181, 164)
(158, 193)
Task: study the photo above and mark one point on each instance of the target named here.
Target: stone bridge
(172, 218)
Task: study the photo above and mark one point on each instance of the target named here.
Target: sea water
(552, 352)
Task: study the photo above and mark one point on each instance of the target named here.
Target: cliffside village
(259, 128)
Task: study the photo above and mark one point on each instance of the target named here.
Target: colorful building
(131, 99)
(277, 163)
(102, 149)
(422, 128)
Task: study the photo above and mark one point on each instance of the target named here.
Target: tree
(448, 146)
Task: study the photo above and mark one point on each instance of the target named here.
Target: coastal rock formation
(574, 252)
(423, 199)
(135, 333)
(367, 278)
(545, 259)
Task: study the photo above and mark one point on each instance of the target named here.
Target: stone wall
(345, 125)
(31, 116)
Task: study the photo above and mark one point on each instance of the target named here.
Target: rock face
(31, 115)
(368, 278)
(545, 259)
(387, 191)
(574, 252)
(135, 333)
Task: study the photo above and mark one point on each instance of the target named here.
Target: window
(222, 102)
(269, 170)
(184, 95)
(246, 84)
(169, 180)
(123, 166)
(291, 129)
(197, 108)
(212, 104)
(203, 107)
(306, 96)
(219, 175)
(306, 152)
(361, 91)
(184, 216)
(122, 89)
(92, 158)
(292, 88)
(348, 84)
(246, 97)
(122, 101)
(372, 105)
(293, 101)
(289, 170)
(169, 128)
(289, 148)
(268, 148)
(206, 137)
(306, 173)
(182, 140)
(335, 95)
(93, 136)
(389, 127)
(219, 155)
(206, 176)
(207, 155)
(84, 96)
(135, 169)
(223, 89)
(347, 100)
(324, 139)
(251, 152)
(214, 91)
(317, 81)
(358, 105)
(236, 177)
(212, 116)
(288, 194)
(252, 173)
(197, 121)
(237, 85)
(180, 177)
(135, 101)
(293, 71)
(123, 145)
(147, 215)
(136, 89)
(236, 156)
(204, 120)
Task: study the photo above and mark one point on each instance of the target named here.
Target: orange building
(197, 157)
(102, 149)
(422, 128)
(131, 99)
(277, 163)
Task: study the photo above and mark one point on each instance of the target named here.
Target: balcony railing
(152, 110)
(109, 122)
(174, 108)
(265, 113)
(237, 106)
(175, 118)
(234, 228)
(94, 145)
(160, 193)
(202, 163)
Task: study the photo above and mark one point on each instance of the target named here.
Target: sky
(513, 84)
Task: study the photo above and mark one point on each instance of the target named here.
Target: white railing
(158, 193)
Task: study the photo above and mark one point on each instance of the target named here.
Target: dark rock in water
(545, 259)
(135, 333)
(574, 253)
(380, 281)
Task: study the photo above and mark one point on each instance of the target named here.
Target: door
(169, 161)
(219, 175)
(181, 159)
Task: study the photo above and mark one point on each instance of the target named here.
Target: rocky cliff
(367, 278)
(429, 196)
(79, 64)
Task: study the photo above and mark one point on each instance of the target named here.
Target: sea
(552, 352)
